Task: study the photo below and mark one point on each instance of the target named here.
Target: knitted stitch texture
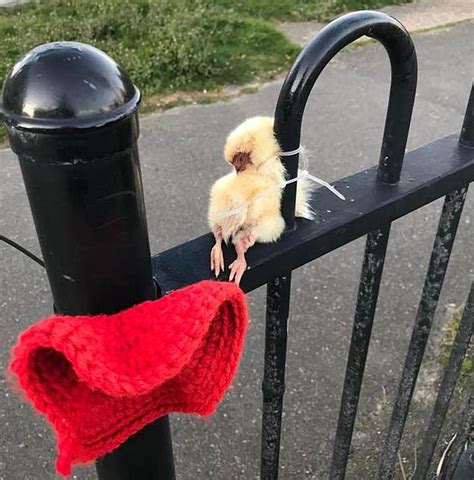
(100, 379)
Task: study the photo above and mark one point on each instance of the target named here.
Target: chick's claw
(217, 260)
(237, 270)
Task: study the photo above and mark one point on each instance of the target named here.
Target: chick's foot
(217, 259)
(237, 269)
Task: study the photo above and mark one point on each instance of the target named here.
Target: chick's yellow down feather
(240, 193)
(248, 199)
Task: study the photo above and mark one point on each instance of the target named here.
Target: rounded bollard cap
(66, 85)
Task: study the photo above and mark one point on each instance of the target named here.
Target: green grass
(165, 45)
(171, 45)
(248, 90)
(467, 367)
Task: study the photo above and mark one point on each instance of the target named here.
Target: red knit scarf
(101, 378)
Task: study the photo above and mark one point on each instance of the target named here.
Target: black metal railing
(288, 118)
(92, 179)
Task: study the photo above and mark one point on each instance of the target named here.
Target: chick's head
(251, 144)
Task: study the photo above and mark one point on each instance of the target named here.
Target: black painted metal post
(71, 117)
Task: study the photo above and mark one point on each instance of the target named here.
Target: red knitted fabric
(99, 379)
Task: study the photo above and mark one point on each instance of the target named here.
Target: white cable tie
(292, 180)
(324, 184)
(306, 174)
(291, 153)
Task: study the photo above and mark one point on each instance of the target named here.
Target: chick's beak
(240, 161)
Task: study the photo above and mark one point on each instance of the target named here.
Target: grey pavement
(416, 16)
(181, 152)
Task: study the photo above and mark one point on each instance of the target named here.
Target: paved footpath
(181, 152)
(416, 16)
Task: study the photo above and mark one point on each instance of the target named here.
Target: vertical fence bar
(467, 131)
(371, 275)
(466, 425)
(71, 117)
(443, 244)
(446, 389)
(465, 466)
(278, 304)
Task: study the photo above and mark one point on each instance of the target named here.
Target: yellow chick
(244, 205)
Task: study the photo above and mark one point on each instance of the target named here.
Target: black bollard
(71, 117)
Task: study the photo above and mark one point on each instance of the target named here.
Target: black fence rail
(383, 193)
(80, 164)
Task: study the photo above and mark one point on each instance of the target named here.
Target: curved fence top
(311, 62)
